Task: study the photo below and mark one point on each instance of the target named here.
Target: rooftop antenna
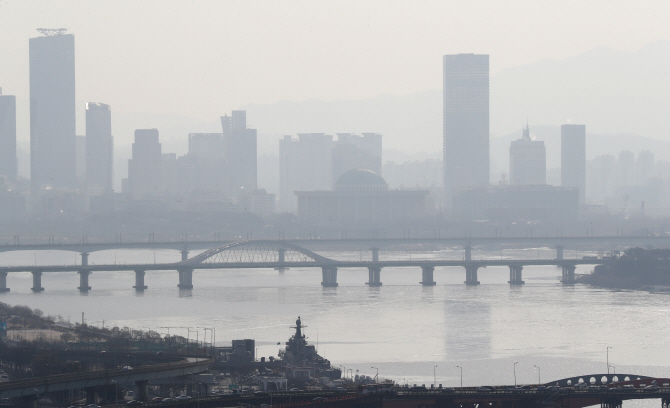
(51, 32)
(526, 131)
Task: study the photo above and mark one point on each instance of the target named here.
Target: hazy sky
(204, 58)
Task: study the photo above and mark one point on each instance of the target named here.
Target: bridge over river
(31, 388)
(606, 390)
(281, 255)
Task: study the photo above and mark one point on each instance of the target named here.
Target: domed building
(360, 196)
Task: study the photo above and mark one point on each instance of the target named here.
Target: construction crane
(50, 32)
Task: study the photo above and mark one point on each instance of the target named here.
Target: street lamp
(376, 376)
(434, 377)
(614, 369)
(461, 375)
(538, 374)
(515, 363)
(608, 359)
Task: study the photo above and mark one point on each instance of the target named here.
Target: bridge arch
(256, 252)
(598, 379)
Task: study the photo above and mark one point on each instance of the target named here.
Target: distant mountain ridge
(611, 91)
(622, 97)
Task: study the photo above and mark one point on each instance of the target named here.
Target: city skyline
(208, 77)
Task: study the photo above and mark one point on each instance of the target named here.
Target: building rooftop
(360, 177)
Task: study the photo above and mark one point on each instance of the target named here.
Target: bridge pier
(3, 282)
(568, 276)
(185, 278)
(374, 276)
(427, 276)
(329, 276)
(281, 254)
(375, 254)
(184, 254)
(37, 281)
(471, 275)
(611, 403)
(665, 402)
(559, 252)
(91, 395)
(84, 258)
(83, 281)
(142, 389)
(515, 277)
(139, 281)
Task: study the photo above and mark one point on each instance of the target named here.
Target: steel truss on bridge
(606, 390)
(282, 255)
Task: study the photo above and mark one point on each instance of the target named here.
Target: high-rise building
(305, 164)
(465, 121)
(99, 148)
(8, 162)
(240, 152)
(207, 162)
(573, 158)
(52, 111)
(527, 160)
(144, 168)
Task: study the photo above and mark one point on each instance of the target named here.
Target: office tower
(573, 158)
(8, 162)
(52, 110)
(99, 148)
(207, 162)
(357, 152)
(465, 121)
(80, 157)
(644, 166)
(240, 153)
(144, 169)
(527, 160)
(304, 164)
(626, 164)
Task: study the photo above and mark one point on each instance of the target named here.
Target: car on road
(183, 398)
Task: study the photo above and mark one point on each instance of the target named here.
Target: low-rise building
(360, 197)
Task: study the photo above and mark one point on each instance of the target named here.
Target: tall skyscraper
(8, 163)
(52, 110)
(99, 148)
(465, 121)
(144, 169)
(527, 160)
(240, 152)
(573, 158)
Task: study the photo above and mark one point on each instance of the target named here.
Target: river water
(402, 328)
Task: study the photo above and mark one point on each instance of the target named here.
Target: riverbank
(636, 269)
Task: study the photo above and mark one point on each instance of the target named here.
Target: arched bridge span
(256, 252)
(600, 379)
